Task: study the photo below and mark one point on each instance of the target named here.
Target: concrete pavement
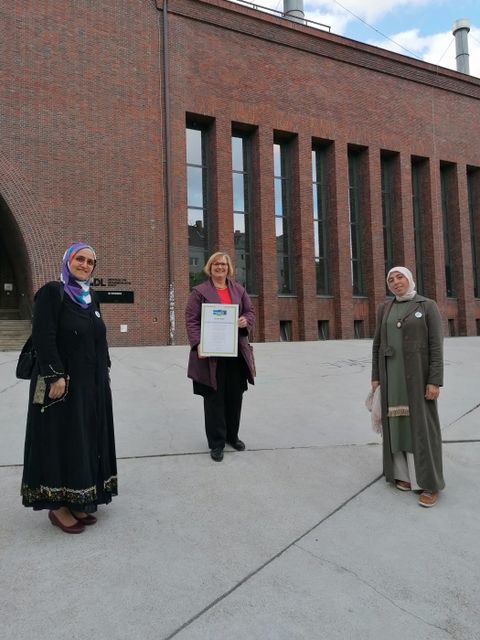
(296, 538)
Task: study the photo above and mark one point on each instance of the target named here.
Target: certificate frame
(219, 330)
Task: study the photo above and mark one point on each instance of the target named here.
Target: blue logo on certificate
(219, 312)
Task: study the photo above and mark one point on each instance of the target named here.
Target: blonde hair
(213, 258)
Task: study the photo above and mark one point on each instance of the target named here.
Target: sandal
(403, 485)
(428, 498)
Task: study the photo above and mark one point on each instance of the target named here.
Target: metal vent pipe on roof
(460, 30)
(293, 10)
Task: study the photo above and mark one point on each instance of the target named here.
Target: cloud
(338, 11)
(438, 48)
(369, 10)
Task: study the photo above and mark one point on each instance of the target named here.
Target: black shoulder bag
(28, 356)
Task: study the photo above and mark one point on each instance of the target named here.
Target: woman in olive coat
(407, 363)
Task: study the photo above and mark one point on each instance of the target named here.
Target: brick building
(160, 131)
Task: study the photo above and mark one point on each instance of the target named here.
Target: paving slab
(297, 537)
(466, 428)
(379, 567)
(306, 394)
(183, 531)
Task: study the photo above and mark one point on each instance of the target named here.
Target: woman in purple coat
(221, 381)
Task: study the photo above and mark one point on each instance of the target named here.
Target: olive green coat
(423, 359)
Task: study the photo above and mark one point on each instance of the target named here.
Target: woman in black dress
(70, 465)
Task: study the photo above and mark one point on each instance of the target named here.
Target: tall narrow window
(283, 217)
(386, 165)
(242, 210)
(354, 196)
(473, 182)
(320, 218)
(197, 202)
(445, 172)
(418, 215)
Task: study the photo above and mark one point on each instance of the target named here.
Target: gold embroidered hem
(395, 412)
(64, 494)
(111, 485)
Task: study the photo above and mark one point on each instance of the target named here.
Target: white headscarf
(411, 293)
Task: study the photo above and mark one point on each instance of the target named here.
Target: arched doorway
(15, 303)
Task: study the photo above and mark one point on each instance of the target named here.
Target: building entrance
(8, 286)
(14, 298)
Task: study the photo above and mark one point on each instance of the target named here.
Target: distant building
(160, 132)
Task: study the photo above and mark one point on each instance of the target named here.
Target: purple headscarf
(77, 290)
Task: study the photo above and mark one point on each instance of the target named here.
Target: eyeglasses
(220, 264)
(83, 260)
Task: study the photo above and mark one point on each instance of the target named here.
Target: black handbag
(28, 355)
(26, 361)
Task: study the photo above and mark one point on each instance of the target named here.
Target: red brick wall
(82, 144)
(84, 150)
(239, 65)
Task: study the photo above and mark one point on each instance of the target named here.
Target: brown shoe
(428, 498)
(87, 518)
(78, 527)
(403, 485)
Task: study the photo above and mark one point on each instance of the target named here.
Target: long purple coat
(204, 370)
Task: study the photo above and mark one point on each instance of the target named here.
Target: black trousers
(223, 407)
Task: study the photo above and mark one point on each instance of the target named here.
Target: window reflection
(279, 227)
(418, 214)
(194, 147)
(197, 212)
(355, 222)
(195, 186)
(473, 192)
(277, 161)
(278, 185)
(195, 217)
(242, 209)
(238, 192)
(320, 218)
(282, 218)
(237, 153)
(446, 174)
(239, 223)
(386, 170)
(315, 201)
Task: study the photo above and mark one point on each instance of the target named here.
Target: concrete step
(9, 314)
(13, 334)
(12, 324)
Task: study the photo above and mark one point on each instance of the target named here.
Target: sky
(416, 28)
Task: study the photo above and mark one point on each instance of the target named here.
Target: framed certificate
(219, 330)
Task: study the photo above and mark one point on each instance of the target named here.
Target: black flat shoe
(216, 454)
(78, 527)
(238, 445)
